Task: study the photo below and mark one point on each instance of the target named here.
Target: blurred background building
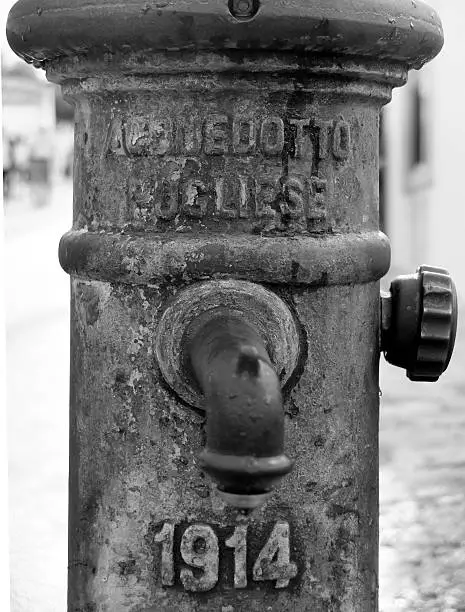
(423, 157)
(37, 143)
(37, 132)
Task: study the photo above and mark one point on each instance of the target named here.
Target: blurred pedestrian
(8, 164)
(39, 167)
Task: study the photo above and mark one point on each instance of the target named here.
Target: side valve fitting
(419, 323)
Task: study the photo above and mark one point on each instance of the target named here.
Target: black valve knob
(419, 323)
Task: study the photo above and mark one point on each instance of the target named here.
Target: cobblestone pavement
(422, 524)
(422, 489)
(37, 314)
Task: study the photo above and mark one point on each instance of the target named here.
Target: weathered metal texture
(244, 448)
(227, 347)
(328, 259)
(138, 444)
(133, 467)
(248, 150)
(409, 30)
(193, 307)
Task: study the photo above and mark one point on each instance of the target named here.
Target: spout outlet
(228, 347)
(245, 416)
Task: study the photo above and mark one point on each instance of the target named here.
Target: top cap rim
(405, 31)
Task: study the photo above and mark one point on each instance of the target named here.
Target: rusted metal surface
(193, 307)
(227, 347)
(406, 30)
(215, 147)
(326, 259)
(140, 471)
(242, 398)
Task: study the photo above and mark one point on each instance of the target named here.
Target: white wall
(447, 236)
(427, 225)
(27, 106)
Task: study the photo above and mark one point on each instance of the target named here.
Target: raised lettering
(220, 134)
(273, 562)
(188, 185)
(292, 205)
(244, 136)
(114, 141)
(194, 198)
(166, 199)
(324, 128)
(166, 538)
(189, 137)
(299, 136)
(238, 541)
(162, 136)
(225, 202)
(138, 137)
(231, 197)
(199, 548)
(317, 204)
(267, 191)
(141, 196)
(272, 136)
(149, 137)
(235, 196)
(216, 141)
(244, 197)
(341, 140)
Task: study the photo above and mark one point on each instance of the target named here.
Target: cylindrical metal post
(223, 140)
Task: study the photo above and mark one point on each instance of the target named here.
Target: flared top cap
(407, 31)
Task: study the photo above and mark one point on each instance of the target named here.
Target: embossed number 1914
(200, 549)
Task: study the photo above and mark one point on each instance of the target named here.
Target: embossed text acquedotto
(220, 134)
